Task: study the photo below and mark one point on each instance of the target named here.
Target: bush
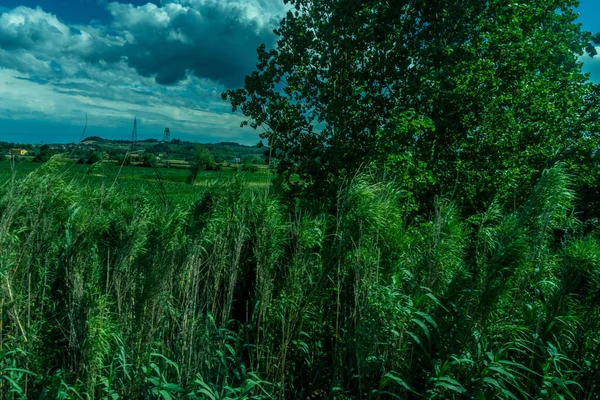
(148, 160)
(123, 159)
(92, 158)
(249, 168)
(214, 166)
(42, 157)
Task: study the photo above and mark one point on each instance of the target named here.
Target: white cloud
(128, 16)
(592, 65)
(207, 38)
(50, 70)
(108, 107)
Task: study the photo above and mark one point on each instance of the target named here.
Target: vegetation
(129, 178)
(441, 239)
(113, 294)
(202, 160)
(470, 96)
(148, 152)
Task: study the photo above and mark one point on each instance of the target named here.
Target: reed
(110, 294)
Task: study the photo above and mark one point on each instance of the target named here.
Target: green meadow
(153, 181)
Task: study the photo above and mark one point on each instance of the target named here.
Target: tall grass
(109, 294)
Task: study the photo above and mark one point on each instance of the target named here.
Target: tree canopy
(456, 98)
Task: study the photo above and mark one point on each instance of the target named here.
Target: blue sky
(165, 62)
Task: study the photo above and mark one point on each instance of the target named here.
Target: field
(157, 182)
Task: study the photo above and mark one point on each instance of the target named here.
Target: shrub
(249, 168)
(91, 158)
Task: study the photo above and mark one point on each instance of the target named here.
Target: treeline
(107, 294)
(93, 149)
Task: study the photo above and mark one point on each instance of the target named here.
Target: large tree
(467, 98)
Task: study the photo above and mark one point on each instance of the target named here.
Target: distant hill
(229, 144)
(178, 149)
(93, 139)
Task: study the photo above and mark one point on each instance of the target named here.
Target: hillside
(176, 150)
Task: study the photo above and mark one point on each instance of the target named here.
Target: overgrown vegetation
(472, 97)
(440, 241)
(109, 294)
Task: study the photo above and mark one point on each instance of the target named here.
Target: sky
(164, 62)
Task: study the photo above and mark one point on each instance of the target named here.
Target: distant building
(19, 152)
(236, 160)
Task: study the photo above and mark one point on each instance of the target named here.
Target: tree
(158, 148)
(467, 98)
(123, 159)
(203, 160)
(44, 154)
(92, 157)
(249, 167)
(148, 160)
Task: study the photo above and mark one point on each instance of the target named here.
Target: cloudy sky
(164, 61)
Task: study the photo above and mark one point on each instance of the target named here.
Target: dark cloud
(214, 39)
(35, 42)
(27, 29)
(211, 39)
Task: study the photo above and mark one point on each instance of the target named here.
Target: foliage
(113, 294)
(249, 167)
(472, 98)
(44, 154)
(202, 160)
(158, 148)
(148, 160)
(92, 157)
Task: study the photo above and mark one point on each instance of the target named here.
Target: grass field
(161, 183)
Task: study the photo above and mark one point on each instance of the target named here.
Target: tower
(134, 132)
(167, 137)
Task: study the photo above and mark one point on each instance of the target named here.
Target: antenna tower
(134, 132)
(167, 137)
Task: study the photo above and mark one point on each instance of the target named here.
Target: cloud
(165, 63)
(591, 65)
(23, 98)
(118, 85)
(35, 42)
(205, 38)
